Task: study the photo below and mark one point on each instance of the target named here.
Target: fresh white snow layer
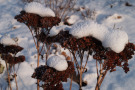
(56, 29)
(6, 40)
(37, 8)
(57, 62)
(115, 18)
(88, 28)
(72, 19)
(116, 40)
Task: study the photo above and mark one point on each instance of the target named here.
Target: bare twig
(71, 82)
(8, 76)
(15, 78)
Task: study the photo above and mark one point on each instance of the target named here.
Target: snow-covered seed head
(37, 8)
(7, 41)
(58, 63)
(116, 40)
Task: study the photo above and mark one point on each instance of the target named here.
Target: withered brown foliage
(6, 52)
(13, 60)
(52, 78)
(35, 20)
(10, 49)
(109, 58)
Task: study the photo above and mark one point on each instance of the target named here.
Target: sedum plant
(107, 58)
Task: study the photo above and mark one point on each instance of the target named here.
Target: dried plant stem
(38, 54)
(33, 37)
(15, 78)
(50, 3)
(8, 77)
(71, 82)
(86, 62)
(66, 7)
(81, 72)
(75, 60)
(100, 77)
(37, 44)
(97, 67)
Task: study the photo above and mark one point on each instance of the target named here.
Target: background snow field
(113, 19)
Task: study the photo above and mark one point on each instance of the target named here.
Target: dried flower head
(12, 60)
(10, 49)
(92, 45)
(51, 77)
(35, 20)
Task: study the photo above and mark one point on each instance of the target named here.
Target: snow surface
(117, 80)
(116, 40)
(88, 28)
(73, 19)
(56, 29)
(6, 40)
(37, 8)
(57, 62)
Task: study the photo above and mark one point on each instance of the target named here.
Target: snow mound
(116, 40)
(88, 28)
(72, 19)
(37, 8)
(81, 29)
(56, 29)
(90, 78)
(6, 40)
(57, 62)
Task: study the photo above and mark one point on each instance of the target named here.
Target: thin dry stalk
(86, 63)
(47, 52)
(66, 7)
(103, 77)
(37, 45)
(15, 78)
(8, 77)
(71, 82)
(80, 86)
(33, 36)
(97, 68)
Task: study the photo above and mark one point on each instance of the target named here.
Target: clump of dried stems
(106, 59)
(36, 25)
(8, 54)
(61, 8)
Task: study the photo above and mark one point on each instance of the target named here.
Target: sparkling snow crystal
(57, 63)
(6, 40)
(37, 8)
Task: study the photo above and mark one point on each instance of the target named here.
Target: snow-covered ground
(113, 14)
